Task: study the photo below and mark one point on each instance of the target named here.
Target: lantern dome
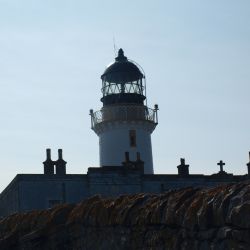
(122, 70)
(123, 82)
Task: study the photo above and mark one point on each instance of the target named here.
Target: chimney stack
(139, 163)
(48, 163)
(127, 157)
(60, 164)
(127, 162)
(183, 169)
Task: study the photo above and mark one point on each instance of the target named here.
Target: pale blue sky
(196, 55)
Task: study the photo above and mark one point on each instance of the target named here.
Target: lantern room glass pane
(135, 87)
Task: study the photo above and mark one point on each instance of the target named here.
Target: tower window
(132, 138)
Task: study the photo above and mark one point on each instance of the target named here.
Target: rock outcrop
(217, 218)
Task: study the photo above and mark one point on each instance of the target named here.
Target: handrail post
(91, 115)
(156, 108)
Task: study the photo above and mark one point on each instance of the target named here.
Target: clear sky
(196, 55)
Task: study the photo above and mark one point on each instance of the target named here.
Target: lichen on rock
(190, 218)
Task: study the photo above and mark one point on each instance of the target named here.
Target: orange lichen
(183, 219)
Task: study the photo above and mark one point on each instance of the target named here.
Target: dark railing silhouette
(124, 113)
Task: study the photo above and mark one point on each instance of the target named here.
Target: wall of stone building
(158, 185)
(9, 200)
(30, 192)
(113, 184)
(41, 192)
(162, 183)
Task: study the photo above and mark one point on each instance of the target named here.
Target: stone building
(28, 192)
(124, 126)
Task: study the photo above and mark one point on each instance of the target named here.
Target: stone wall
(190, 218)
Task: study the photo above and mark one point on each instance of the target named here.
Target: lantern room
(123, 82)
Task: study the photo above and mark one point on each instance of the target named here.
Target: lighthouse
(125, 123)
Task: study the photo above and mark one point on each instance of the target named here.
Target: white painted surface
(114, 141)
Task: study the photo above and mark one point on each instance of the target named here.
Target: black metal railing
(124, 113)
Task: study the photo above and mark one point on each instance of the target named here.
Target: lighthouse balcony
(124, 113)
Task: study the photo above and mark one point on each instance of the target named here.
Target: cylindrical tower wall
(117, 138)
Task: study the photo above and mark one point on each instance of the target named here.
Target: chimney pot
(60, 164)
(60, 154)
(48, 163)
(48, 153)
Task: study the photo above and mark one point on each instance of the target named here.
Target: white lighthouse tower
(125, 123)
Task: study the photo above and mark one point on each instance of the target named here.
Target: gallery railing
(124, 113)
